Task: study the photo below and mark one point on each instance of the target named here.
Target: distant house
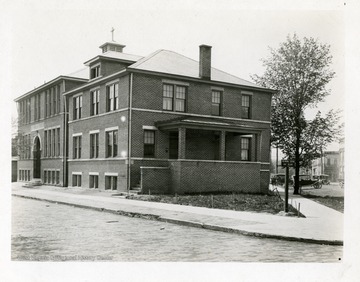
(164, 122)
(327, 164)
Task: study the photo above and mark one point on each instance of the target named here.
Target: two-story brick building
(165, 122)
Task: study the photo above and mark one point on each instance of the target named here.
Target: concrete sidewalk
(322, 225)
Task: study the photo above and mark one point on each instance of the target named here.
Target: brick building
(163, 122)
(327, 164)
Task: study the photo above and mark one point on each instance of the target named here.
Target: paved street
(53, 232)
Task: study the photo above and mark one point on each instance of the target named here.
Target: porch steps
(33, 182)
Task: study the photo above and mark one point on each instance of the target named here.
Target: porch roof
(206, 123)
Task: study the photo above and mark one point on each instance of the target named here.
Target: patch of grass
(237, 202)
(336, 203)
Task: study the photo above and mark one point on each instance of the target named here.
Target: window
(58, 141)
(57, 177)
(110, 182)
(245, 149)
(58, 98)
(94, 181)
(95, 72)
(94, 145)
(45, 176)
(45, 143)
(37, 107)
(245, 106)
(216, 103)
(49, 143)
(53, 94)
(76, 147)
(111, 143)
(149, 144)
(173, 102)
(76, 180)
(77, 107)
(94, 102)
(112, 95)
(54, 142)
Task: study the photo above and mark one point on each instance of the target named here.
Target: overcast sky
(48, 40)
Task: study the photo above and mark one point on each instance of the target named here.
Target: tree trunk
(297, 165)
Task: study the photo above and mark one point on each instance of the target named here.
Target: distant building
(342, 160)
(327, 164)
(163, 122)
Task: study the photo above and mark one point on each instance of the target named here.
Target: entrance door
(173, 145)
(37, 158)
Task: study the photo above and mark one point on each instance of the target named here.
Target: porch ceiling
(206, 124)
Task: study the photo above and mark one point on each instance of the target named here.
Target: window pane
(149, 137)
(180, 92)
(245, 101)
(168, 91)
(216, 97)
(167, 104)
(180, 105)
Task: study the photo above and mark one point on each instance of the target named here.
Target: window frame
(216, 102)
(77, 140)
(112, 96)
(94, 145)
(95, 71)
(77, 105)
(94, 103)
(246, 149)
(149, 143)
(171, 97)
(111, 143)
(246, 109)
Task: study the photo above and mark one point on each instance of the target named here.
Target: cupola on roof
(112, 46)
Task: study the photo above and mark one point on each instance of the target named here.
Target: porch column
(222, 145)
(182, 143)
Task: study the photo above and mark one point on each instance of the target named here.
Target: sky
(47, 43)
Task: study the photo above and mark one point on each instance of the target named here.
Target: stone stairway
(33, 182)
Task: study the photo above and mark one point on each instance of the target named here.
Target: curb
(190, 223)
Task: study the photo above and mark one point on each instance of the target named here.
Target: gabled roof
(116, 56)
(170, 62)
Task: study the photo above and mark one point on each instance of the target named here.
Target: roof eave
(247, 87)
(47, 84)
(95, 81)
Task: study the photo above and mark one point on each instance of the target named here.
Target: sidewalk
(322, 225)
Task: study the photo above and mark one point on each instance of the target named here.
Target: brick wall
(225, 176)
(147, 93)
(101, 167)
(155, 180)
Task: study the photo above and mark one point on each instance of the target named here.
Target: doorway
(37, 158)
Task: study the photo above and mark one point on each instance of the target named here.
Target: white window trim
(111, 174)
(168, 81)
(95, 88)
(77, 95)
(149, 127)
(77, 134)
(111, 128)
(217, 88)
(76, 173)
(94, 131)
(94, 173)
(246, 93)
(112, 82)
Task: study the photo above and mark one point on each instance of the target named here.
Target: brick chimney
(205, 62)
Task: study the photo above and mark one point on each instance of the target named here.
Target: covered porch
(208, 155)
(207, 139)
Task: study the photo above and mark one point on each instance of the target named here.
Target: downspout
(129, 133)
(65, 140)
